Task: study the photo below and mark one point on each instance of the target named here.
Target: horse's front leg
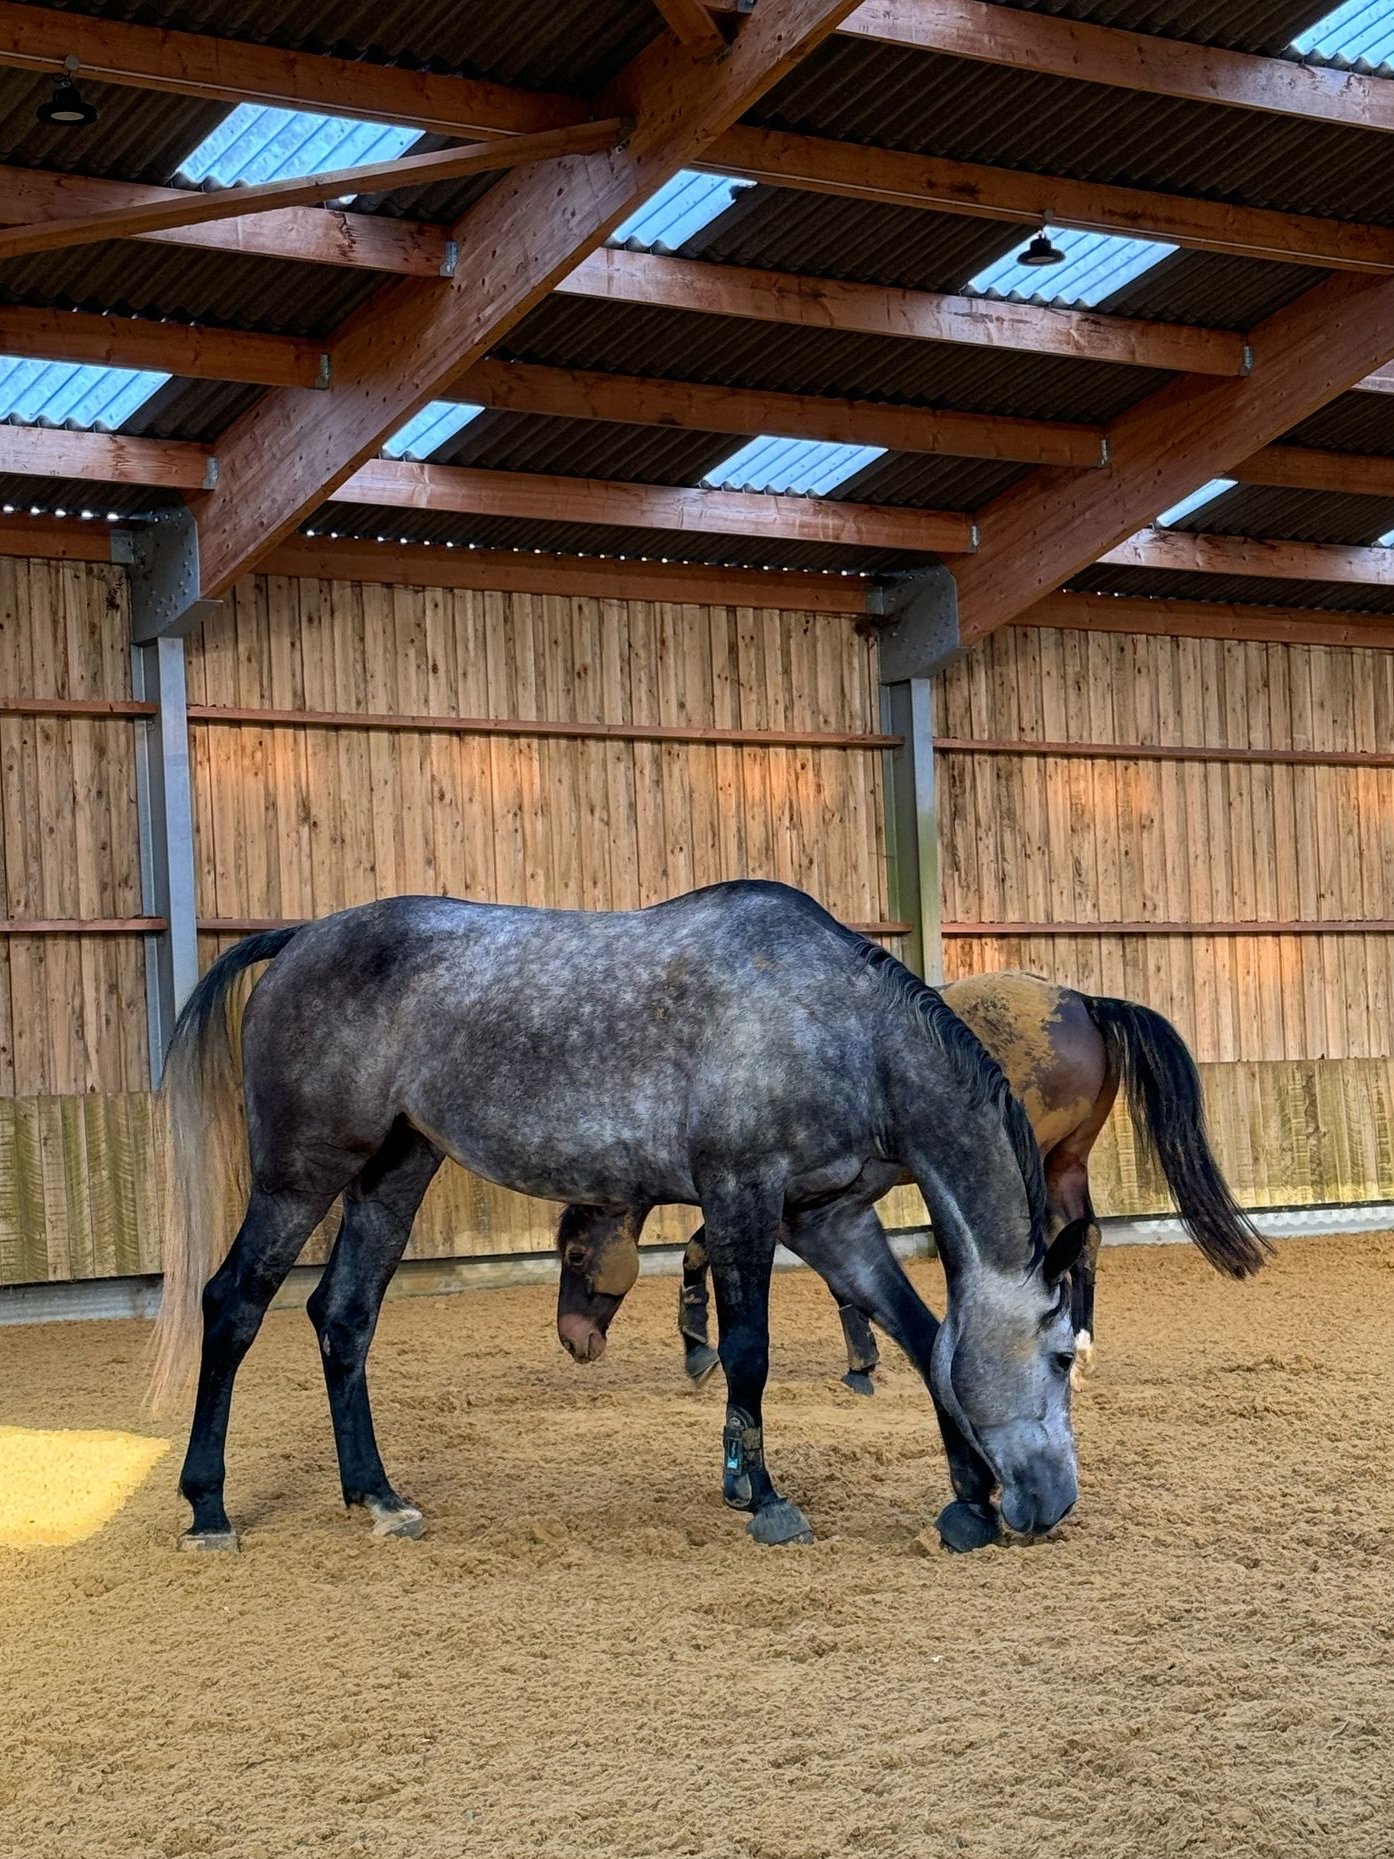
(742, 1228)
(699, 1358)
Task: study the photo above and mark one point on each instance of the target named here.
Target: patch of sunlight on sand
(61, 1487)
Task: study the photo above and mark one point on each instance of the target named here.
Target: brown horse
(1065, 1055)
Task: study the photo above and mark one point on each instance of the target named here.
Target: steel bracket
(161, 553)
(916, 617)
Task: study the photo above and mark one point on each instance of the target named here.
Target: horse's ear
(1064, 1250)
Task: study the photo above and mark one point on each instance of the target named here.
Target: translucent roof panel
(60, 393)
(1196, 501)
(678, 211)
(811, 467)
(1360, 32)
(1096, 266)
(256, 142)
(428, 431)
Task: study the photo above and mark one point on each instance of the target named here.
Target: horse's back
(1045, 1040)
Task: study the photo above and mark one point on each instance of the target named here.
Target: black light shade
(66, 108)
(1041, 252)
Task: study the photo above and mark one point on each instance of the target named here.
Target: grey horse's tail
(1168, 1112)
(208, 1156)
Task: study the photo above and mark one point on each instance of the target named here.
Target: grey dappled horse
(736, 1049)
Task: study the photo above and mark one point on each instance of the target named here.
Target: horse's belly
(592, 1166)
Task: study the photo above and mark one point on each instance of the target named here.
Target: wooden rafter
(105, 458)
(1304, 468)
(292, 450)
(1187, 552)
(619, 276)
(536, 495)
(1053, 524)
(1002, 35)
(198, 208)
(175, 348)
(311, 235)
(1209, 619)
(894, 178)
(694, 25)
(34, 38)
(577, 393)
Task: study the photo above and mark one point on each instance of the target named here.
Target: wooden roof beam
(189, 64)
(619, 276)
(1304, 468)
(313, 235)
(891, 177)
(535, 495)
(175, 348)
(1138, 61)
(693, 24)
(1187, 552)
(1209, 619)
(577, 393)
(199, 208)
(291, 451)
(1053, 524)
(105, 458)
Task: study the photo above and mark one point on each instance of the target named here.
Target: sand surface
(587, 1657)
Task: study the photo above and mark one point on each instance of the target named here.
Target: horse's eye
(1064, 1360)
(576, 1257)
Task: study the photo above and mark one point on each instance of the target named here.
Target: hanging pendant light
(1041, 252)
(67, 108)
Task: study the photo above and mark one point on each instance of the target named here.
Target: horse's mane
(974, 1067)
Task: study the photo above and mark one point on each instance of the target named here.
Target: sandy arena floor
(586, 1655)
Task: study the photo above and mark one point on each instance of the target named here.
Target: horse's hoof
(1084, 1358)
(407, 1522)
(859, 1381)
(964, 1527)
(701, 1360)
(200, 1541)
(780, 1523)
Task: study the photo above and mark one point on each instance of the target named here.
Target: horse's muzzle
(1036, 1503)
(582, 1339)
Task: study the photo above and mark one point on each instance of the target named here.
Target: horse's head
(1001, 1367)
(599, 1263)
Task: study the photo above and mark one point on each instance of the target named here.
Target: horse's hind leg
(699, 1358)
(1067, 1184)
(862, 1354)
(268, 1243)
(379, 1207)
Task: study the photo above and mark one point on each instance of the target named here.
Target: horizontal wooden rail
(75, 707)
(1163, 752)
(252, 926)
(1375, 926)
(82, 926)
(240, 715)
(514, 726)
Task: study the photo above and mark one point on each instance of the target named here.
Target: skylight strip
(1359, 31)
(678, 211)
(66, 393)
(1207, 493)
(1096, 266)
(433, 427)
(806, 467)
(258, 142)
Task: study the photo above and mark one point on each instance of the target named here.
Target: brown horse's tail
(1168, 1112)
(208, 1157)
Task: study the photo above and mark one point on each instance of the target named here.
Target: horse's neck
(962, 1159)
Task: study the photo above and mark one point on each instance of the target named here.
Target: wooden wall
(354, 740)
(1281, 812)
(300, 809)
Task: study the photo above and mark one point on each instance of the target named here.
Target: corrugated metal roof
(931, 482)
(1330, 596)
(1263, 26)
(1294, 516)
(198, 410)
(1214, 291)
(499, 441)
(860, 91)
(538, 44)
(1352, 423)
